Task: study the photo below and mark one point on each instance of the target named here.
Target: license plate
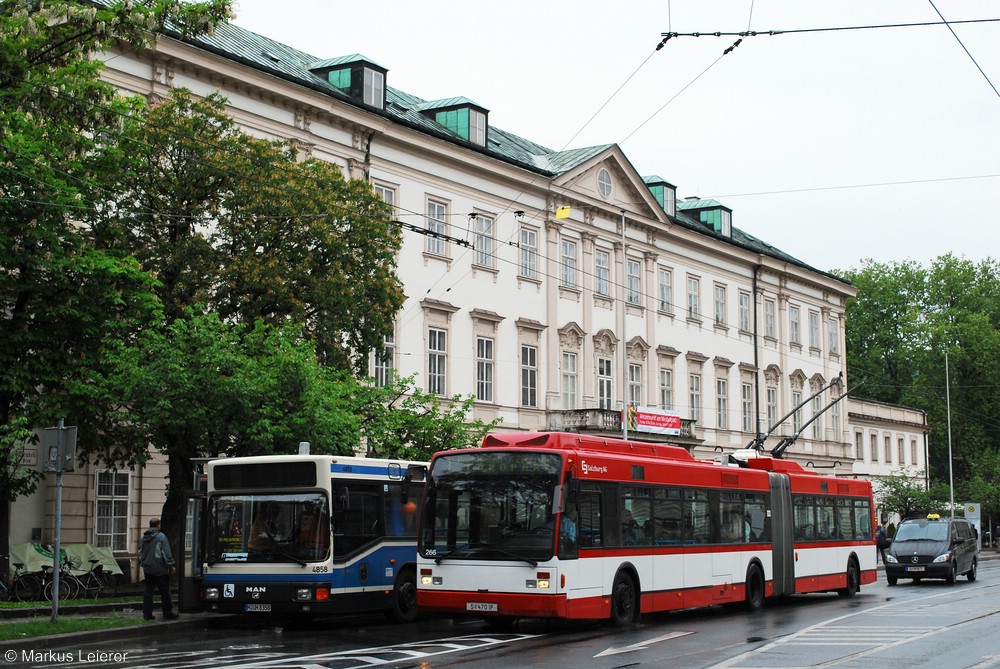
(914, 569)
(489, 607)
(256, 607)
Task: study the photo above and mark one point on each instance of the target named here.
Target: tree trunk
(179, 482)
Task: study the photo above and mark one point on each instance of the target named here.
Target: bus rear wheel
(754, 586)
(624, 600)
(853, 580)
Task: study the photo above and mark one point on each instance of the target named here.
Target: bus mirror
(413, 473)
(557, 499)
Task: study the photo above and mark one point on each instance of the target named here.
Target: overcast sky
(834, 146)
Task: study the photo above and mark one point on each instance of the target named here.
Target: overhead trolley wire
(793, 31)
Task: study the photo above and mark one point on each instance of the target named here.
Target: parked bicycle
(68, 585)
(92, 582)
(23, 586)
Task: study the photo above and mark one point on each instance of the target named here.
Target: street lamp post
(947, 399)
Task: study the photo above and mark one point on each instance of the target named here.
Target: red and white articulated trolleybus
(575, 526)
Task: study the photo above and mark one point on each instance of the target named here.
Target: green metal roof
(342, 60)
(707, 203)
(449, 102)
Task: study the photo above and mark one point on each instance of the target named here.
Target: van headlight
(891, 558)
(944, 557)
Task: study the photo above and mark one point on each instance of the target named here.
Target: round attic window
(604, 185)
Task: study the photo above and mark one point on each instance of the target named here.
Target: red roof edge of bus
(587, 442)
(777, 465)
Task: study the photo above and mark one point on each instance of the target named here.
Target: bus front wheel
(404, 597)
(624, 600)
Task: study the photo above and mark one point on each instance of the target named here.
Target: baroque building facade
(556, 286)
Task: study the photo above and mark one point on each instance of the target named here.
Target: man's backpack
(880, 538)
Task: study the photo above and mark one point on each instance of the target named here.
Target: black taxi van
(933, 547)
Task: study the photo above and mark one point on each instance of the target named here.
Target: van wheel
(971, 574)
(853, 580)
(754, 587)
(951, 574)
(891, 580)
(624, 600)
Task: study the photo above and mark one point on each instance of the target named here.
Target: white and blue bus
(311, 534)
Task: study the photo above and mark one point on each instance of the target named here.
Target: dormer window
(719, 220)
(664, 192)
(374, 88)
(355, 76)
(710, 213)
(469, 124)
(461, 116)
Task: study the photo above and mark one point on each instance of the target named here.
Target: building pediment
(606, 184)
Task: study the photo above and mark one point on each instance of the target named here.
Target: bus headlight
(210, 593)
(303, 594)
(541, 581)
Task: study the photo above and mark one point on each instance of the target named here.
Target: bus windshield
(271, 527)
(493, 505)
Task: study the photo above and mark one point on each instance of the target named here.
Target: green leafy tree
(903, 322)
(302, 242)
(884, 323)
(400, 420)
(241, 226)
(203, 387)
(235, 226)
(902, 495)
(61, 299)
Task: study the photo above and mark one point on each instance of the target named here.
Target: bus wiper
(450, 553)
(533, 563)
(291, 557)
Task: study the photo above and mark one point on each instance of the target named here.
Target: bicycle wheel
(90, 585)
(26, 588)
(110, 584)
(74, 584)
(64, 590)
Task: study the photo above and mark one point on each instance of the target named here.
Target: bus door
(782, 535)
(357, 525)
(192, 549)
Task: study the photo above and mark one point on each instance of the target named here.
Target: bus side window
(589, 523)
(400, 516)
(358, 523)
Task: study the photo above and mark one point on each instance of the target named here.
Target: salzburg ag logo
(593, 469)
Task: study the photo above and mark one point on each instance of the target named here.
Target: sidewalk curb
(139, 630)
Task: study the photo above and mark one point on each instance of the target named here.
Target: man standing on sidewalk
(157, 564)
